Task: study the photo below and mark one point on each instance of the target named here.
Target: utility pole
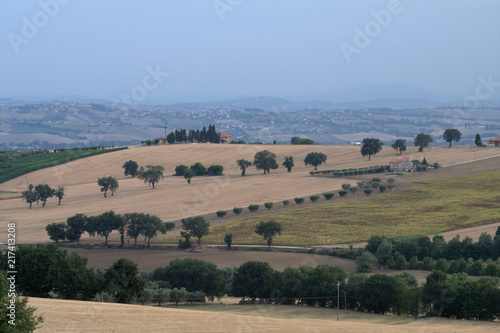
(338, 299)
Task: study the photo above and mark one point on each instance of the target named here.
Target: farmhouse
(494, 142)
(401, 165)
(225, 136)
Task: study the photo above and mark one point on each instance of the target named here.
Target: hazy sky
(226, 48)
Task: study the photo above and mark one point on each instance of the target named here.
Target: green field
(437, 206)
(14, 164)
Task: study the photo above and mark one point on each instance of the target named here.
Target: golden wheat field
(78, 316)
(173, 198)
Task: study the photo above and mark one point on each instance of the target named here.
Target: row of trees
(131, 224)
(204, 135)
(41, 192)
(266, 161)
(198, 169)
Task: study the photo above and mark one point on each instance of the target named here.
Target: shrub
(237, 210)
(390, 186)
(365, 263)
(353, 189)
(299, 201)
(215, 170)
(375, 185)
(328, 195)
(420, 167)
(268, 205)
(221, 213)
(314, 198)
(368, 191)
(285, 203)
(390, 180)
(436, 166)
(382, 188)
(199, 169)
(343, 193)
(376, 180)
(253, 208)
(186, 242)
(346, 186)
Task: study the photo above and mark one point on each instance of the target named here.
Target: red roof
(224, 134)
(494, 140)
(406, 159)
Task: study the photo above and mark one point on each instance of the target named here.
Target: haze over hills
(368, 96)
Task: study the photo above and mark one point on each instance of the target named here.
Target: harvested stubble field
(78, 316)
(174, 198)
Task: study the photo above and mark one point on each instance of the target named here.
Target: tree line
(131, 224)
(420, 252)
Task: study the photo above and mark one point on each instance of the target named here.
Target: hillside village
(59, 124)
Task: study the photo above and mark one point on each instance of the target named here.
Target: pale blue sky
(286, 48)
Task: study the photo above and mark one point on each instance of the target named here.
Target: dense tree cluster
(47, 271)
(301, 141)
(198, 169)
(202, 136)
(456, 256)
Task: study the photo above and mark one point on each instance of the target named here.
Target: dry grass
(441, 205)
(174, 198)
(77, 316)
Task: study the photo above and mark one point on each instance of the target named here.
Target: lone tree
(400, 145)
(105, 223)
(107, 183)
(44, 192)
(152, 175)
(123, 281)
(451, 134)
(135, 225)
(243, 164)
(56, 231)
(288, 163)
(188, 174)
(315, 159)
(268, 230)
(59, 194)
(76, 227)
(131, 168)
(422, 140)
(478, 142)
(265, 160)
(152, 224)
(196, 226)
(371, 146)
(30, 196)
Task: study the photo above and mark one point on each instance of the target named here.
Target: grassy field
(15, 164)
(78, 316)
(440, 205)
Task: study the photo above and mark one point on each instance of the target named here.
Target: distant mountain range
(370, 96)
